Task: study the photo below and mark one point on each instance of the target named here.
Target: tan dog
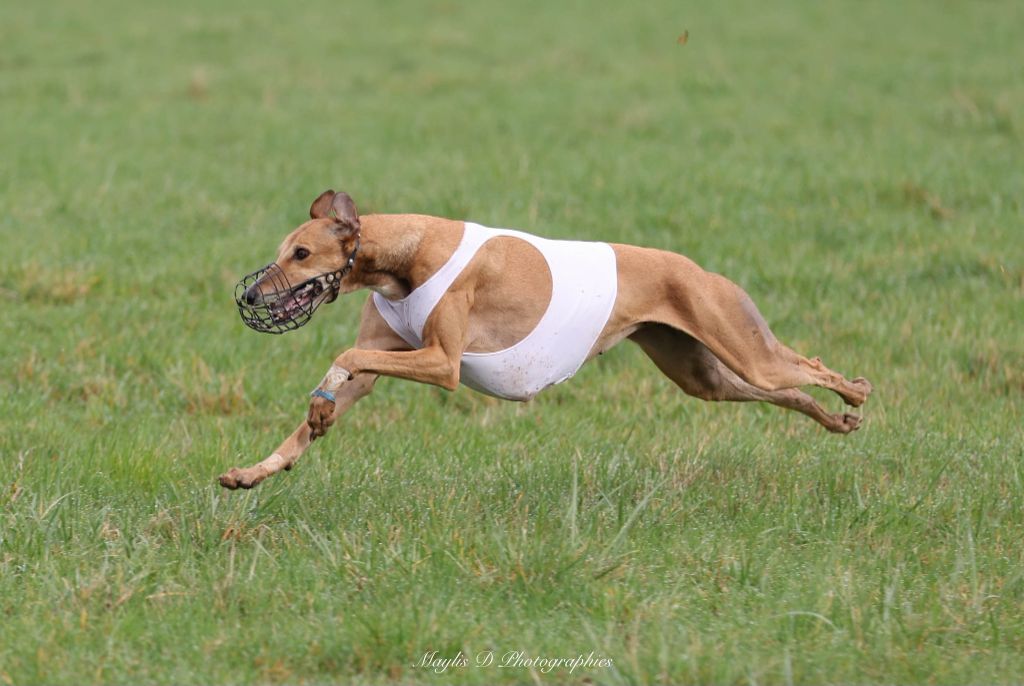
(701, 330)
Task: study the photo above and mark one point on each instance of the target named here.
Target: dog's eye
(301, 254)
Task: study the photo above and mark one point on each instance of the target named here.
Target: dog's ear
(336, 205)
(322, 205)
(344, 211)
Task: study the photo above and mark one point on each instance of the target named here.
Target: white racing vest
(584, 283)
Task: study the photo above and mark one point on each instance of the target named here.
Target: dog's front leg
(436, 363)
(345, 390)
(346, 395)
(374, 333)
(430, 365)
(379, 351)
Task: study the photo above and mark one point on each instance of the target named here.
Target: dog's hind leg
(722, 316)
(740, 337)
(695, 369)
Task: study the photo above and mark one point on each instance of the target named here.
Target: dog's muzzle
(268, 303)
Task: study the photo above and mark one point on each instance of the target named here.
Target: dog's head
(323, 244)
(311, 264)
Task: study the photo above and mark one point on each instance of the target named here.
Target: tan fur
(699, 328)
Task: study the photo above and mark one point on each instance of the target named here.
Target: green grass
(857, 167)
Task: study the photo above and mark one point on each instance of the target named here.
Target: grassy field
(857, 167)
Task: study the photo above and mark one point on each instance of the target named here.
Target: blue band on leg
(320, 393)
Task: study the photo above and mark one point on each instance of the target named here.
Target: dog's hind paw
(844, 423)
(856, 391)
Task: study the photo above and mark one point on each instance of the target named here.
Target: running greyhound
(510, 314)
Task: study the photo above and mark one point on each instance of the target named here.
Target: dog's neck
(398, 252)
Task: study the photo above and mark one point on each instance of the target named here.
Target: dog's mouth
(268, 303)
(294, 302)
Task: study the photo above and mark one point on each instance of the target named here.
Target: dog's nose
(253, 295)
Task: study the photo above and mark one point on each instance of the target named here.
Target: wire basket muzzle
(268, 303)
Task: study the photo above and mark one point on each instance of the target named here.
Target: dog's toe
(864, 384)
(863, 388)
(856, 391)
(851, 422)
(238, 478)
(229, 479)
(242, 478)
(844, 423)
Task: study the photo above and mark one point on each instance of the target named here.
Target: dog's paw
(240, 478)
(856, 391)
(320, 416)
(865, 385)
(845, 423)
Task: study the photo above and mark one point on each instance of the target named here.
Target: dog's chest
(583, 290)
